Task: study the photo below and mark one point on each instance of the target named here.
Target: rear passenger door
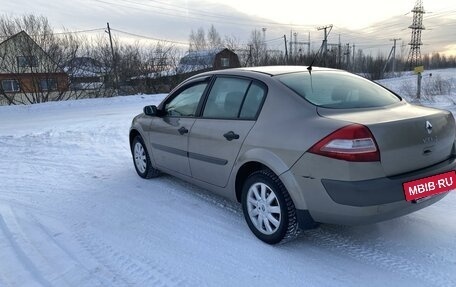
(216, 137)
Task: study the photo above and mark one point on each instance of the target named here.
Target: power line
(79, 31)
(62, 33)
(148, 37)
(184, 13)
(275, 39)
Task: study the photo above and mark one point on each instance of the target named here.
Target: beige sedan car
(298, 147)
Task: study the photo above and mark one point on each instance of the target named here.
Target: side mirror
(150, 110)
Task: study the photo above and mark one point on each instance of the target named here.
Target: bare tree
(154, 66)
(214, 41)
(166, 62)
(257, 52)
(198, 40)
(234, 44)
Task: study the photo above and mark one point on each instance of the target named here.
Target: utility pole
(286, 50)
(249, 60)
(325, 41)
(418, 91)
(394, 53)
(291, 44)
(392, 56)
(353, 61)
(347, 53)
(116, 77)
(296, 44)
(264, 45)
(339, 53)
(308, 46)
(295, 34)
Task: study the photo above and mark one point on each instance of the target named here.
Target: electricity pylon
(414, 57)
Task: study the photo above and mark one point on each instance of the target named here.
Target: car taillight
(351, 143)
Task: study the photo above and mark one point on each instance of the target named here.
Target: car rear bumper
(381, 190)
(350, 215)
(359, 201)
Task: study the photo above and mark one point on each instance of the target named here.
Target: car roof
(278, 70)
(267, 70)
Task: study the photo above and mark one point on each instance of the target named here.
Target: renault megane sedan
(299, 146)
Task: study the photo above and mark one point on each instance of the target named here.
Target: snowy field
(73, 212)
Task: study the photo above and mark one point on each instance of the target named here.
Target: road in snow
(73, 212)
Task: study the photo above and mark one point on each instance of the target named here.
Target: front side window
(337, 90)
(10, 86)
(186, 102)
(27, 61)
(48, 85)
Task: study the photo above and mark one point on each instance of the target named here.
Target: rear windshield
(338, 90)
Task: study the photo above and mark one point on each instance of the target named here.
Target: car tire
(141, 159)
(268, 208)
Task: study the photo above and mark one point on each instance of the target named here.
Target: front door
(169, 134)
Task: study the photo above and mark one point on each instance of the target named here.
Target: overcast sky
(353, 14)
(366, 23)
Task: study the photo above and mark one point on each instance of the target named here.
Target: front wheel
(268, 208)
(141, 159)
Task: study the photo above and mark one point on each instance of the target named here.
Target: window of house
(48, 84)
(10, 86)
(27, 61)
(225, 62)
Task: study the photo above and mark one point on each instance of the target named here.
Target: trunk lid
(409, 137)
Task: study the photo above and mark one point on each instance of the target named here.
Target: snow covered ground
(73, 212)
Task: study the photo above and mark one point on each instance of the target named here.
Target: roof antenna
(323, 45)
(309, 68)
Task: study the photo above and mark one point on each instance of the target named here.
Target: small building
(27, 70)
(215, 59)
(85, 73)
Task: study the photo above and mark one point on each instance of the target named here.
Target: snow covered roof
(84, 67)
(203, 58)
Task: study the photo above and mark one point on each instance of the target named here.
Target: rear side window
(338, 90)
(233, 98)
(253, 101)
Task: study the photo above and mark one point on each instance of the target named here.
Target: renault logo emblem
(428, 127)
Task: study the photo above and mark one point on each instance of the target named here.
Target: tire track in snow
(25, 266)
(53, 262)
(67, 257)
(449, 257)
(374, 255)
(128, 271)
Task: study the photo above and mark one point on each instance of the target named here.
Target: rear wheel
(268, 208)
(141, 159)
